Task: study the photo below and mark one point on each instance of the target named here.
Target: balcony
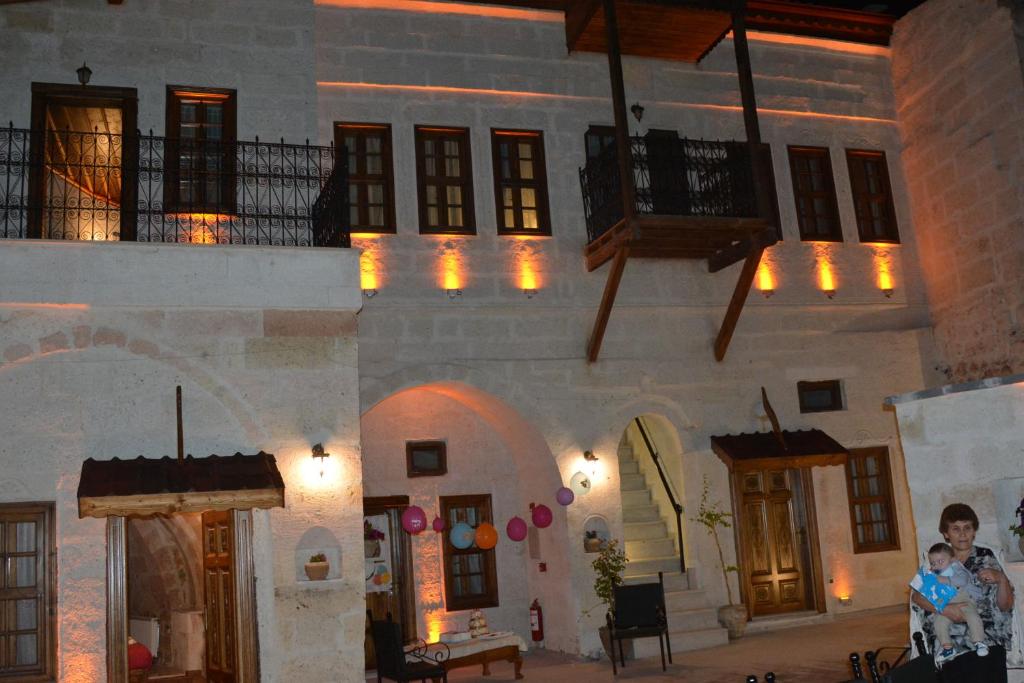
(693, 198)
(66, 185)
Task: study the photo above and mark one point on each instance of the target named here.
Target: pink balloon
(438, 524)
(516, 529)
(542, 516)
(565, 496)
(414, 519)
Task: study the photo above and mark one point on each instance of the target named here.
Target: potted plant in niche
(591, 541)
(317, 567)
(371, 539)
(711, 515)
(1018, 527)
(608, 567)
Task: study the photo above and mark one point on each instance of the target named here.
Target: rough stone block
(308, 324)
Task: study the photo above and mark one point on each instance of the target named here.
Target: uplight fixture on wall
(370, 292)
(453, 293)
(888, 292)
(321, 455)
(530, 293)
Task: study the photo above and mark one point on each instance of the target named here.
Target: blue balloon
(462, 535)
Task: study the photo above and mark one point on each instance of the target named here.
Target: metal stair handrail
(669, 489)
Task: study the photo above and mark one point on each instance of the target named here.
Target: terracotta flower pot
(734, 619)
(317, 571)
(371, 548)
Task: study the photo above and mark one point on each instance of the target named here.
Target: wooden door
(774, 541)
(399, 600)
(218, 581)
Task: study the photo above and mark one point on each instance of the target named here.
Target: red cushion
(139, 657)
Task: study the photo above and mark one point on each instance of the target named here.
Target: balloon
(486, 536)
(438, 524)
(414, 519)
(462, 536)
(565, 496)
(516, 529)
(542, 516)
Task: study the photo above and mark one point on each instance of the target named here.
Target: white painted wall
(93, 339)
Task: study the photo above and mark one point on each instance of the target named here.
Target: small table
(493, 647)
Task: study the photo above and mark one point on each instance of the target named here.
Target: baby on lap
(952, 573)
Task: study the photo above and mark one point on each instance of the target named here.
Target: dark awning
(801, 448)
(147, 486)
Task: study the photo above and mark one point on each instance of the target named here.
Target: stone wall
(464, 67)
(960, 108)
(95, 336)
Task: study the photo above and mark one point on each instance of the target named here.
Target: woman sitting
(959, 525)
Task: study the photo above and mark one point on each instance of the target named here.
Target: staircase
(692, 619)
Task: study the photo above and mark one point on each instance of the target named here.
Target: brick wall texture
(960, 102)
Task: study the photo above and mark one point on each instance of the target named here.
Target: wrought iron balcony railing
(671, 176)
(58, 184)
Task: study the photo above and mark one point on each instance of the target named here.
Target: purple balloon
(542, 516)
(414, 519)
(438, 524)
(565, 496)
(516, 528)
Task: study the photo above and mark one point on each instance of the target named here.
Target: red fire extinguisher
(536, 622)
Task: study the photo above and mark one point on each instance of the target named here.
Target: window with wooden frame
(199, 166)
(27, 591)
(872, 509)
(426, 458)
(872, 196)
(520, 182)
(444, 181)
(597, 139)
(820, 397)
(371, 177)
(815, 192)
(470, 577)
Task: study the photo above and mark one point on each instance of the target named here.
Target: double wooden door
(776, 533)
(398, 599)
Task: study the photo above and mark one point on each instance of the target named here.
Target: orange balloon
(486, 536)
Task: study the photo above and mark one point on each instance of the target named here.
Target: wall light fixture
(321, 455)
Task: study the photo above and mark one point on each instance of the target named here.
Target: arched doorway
(495, 462)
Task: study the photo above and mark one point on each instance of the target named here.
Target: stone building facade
(479, 340)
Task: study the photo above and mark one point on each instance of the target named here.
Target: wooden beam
(169, 503)
(739, 297)
(611, 288)
(603, 249)
(739, 251)
(578, 14)
(622, 143)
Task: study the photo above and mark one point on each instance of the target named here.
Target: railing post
(622, 143)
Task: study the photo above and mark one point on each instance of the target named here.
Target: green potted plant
(713, 518)
(317, 567)
(591, 541)
(608, 567)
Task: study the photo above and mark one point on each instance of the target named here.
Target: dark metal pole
(622, 146)
(749, 101)
(181, 438)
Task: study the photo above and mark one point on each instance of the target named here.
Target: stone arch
(537, 478)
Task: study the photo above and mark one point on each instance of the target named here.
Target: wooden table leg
(519, 666)
(487, 668)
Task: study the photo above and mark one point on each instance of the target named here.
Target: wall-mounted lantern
(321, 455)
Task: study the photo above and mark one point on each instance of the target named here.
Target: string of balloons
(485, 535)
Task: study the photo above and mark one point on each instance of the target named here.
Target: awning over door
(783, 449)
(148, 486)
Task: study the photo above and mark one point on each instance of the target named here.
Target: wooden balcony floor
(676, 237)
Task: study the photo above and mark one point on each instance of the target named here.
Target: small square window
(426, 458)
(820, 397)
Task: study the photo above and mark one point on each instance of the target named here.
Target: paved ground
(808, 654)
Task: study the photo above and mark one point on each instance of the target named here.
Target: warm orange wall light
(370, 269)
(883, 267)
(765, 279)
(451, 268)
(428, 7)
(826, 269)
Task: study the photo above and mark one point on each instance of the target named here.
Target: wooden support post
(739, 297)
(622, 145)
(611, 287)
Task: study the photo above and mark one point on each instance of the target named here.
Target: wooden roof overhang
(150, 486)
(762, 450)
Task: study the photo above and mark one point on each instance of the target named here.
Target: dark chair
(639, 612)
(902, 669)
(392, 657)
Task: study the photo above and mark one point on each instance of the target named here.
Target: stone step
(646, 513)
(632, 482)
(632, 499)
(675, 582)
(650, 548)
(629, 467)
(696, 619)
(682, 641)
(640, 530)
(653, 565)
(688, 599)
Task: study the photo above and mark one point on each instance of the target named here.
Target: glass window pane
(22, 572)
(432, 216)
(376, 216)
(25, 537)
(188, 113)
(431, 195)
(525, 150)
(530, 219)
(25, 650)
(510, 218)
(454, 197)
(375, 193)
(476, 585)
(455, 217)
(374, 144)
(526, 169)
(451, 167)
(25, 614)
(528, 197)
(506, 196)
